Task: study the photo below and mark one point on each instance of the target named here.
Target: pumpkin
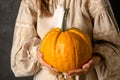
(66, 49)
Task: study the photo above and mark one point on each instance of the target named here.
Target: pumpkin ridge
(76, 59)
(85, 37)
(45, 43)
(73, 44)
(62, 48)
(55, 44)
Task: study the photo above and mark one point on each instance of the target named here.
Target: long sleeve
(25, 41)
(106, 39)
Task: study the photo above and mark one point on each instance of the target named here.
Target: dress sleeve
(24, 61)
(106, 39)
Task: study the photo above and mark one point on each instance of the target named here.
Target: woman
(93, 17)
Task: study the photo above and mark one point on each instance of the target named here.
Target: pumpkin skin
(66, 50)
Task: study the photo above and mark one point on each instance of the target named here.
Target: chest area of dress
(44, 25)
(75, 18)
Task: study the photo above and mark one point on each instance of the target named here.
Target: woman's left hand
(86, 67)
(40, 57)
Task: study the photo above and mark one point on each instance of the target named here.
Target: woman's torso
(78, 17)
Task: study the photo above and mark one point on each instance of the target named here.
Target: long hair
(45, 8)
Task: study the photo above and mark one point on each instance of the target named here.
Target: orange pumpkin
(66, 50)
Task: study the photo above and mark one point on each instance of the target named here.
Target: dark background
(8, 14)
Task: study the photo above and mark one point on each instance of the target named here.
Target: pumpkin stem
(65, 19)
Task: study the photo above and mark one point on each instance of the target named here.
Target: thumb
(88, 65)
(39, 54)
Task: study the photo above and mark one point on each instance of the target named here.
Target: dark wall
(116, 9)
(8, 13)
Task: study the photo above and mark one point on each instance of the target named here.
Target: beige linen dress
(92, 17)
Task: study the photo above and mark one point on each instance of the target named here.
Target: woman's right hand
(42, 62)
(95, 60)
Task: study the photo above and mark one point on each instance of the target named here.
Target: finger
(42, 62)
(88, 65)
(53, 69)
(40, 54)
(76, 72)
(47, 65)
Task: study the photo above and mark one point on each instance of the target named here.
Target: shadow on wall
(8, 13)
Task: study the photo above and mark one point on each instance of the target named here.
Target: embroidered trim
(23, 24)
(30, 4)
(96, 6)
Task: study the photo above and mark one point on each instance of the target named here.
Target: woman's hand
(42, 62)
(86, 67)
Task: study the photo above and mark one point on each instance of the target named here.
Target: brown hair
(44, 7)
